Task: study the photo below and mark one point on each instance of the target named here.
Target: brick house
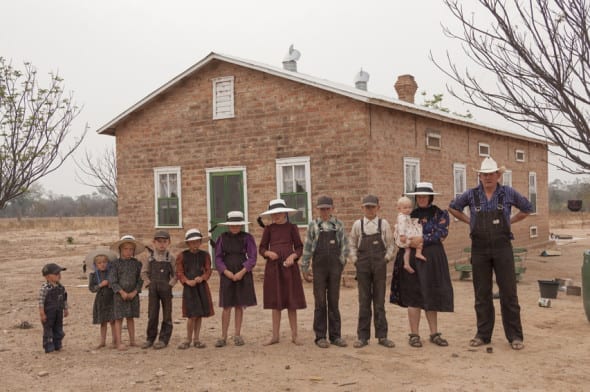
(231, 134)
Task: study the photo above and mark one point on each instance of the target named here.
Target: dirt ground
(554, 359)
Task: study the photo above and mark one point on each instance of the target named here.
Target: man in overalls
(159, 275)
(491, 250)
(327, 245)
(371, 248)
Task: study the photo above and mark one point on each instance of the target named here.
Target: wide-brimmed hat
(52, 268)
(277, 205)
(488, 165)
(234, 218)
(423, 188)
(89, 259)
(193, 234)
(139, 247)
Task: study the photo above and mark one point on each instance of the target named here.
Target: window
(533, 190)
(168, 197)
(223, 98)
(484, 149)
(411, 174)
(507, 178)
(294, 186)
(533, 232)
(433, 140)
(519, 156)
(459, 178)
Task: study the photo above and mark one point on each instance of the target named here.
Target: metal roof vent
(290, 59)
(361, 79)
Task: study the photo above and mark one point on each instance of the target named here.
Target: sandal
(438, 340)
(517, 345)
(238, 341)
(415, 340)
(477, 341)
(220, 343)
(184, 345)
(198, 344)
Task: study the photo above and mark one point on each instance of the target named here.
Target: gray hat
(52, 268)
(162, 234)
(325, 202)
(370, 200)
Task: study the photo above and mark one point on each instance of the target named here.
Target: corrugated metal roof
(337, 88)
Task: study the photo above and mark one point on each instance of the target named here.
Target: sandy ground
(554, 359)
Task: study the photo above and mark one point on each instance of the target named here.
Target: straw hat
(89, 259)
(423, 188)
(139, 247)
(277, 205)
(234, 218)
(488, 165)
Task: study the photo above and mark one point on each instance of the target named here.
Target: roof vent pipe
(290, 59)
(361, 79)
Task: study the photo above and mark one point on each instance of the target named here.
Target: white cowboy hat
(234, 218)
(423, 188)
(488, 165)
(89, 259)
(277, 205)
(139, 247)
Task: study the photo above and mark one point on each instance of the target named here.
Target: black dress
(429, 287)
(102, 310)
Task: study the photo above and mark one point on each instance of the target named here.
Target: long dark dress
(196, 300)
(429, 287)
(282, 287)
(102, 310)
(126, 275)
(234, 252)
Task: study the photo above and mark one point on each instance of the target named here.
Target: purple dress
(282, 288)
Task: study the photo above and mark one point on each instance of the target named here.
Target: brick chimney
(406, 88)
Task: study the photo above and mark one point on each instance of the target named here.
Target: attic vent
(290, 60)
(361, 79)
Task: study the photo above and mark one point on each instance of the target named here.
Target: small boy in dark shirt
(53, 307)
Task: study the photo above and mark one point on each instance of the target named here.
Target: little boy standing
(371, 247)
(53, 307)
(327, 244)
(159, 275)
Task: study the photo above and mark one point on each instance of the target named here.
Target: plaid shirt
(45, 287)
(313, 234)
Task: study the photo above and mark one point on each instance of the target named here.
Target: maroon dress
(282, 288)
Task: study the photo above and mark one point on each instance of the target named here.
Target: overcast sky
(112, 53)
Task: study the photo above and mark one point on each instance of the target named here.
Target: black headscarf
(424, 214)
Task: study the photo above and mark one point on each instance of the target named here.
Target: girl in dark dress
(281, 246)
(235, 256)
(193, 270)
(429, 287)
(125, 280)
(102, 310)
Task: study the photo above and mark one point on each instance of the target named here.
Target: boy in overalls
(53, 307)
(327, 244)
(371, 248)
(159, 275)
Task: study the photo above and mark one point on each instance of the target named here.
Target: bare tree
(34, 125)
(102, 171)
(538, 53)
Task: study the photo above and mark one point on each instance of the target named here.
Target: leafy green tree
(436, 103)
(35, 123)
(530, 64)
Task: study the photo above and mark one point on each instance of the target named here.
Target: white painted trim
(536, 190)
(210, 170)
(486, 145)
(292, 161)
(215, 85)
(167, 170)
(520, 152)
(463, 168)
(433, 135)
(504, 182)
(533, 231)
(410, 161)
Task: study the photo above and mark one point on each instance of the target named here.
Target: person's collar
(374, 220)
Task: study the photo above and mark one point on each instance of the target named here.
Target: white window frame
(295, 161)
(409, 163)
(533, 232)
(484, 145)
(533, 190)
(430, 136)
(217, 84)
(507, 178)
(459, 168)
(167, 170)
(522, 154)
